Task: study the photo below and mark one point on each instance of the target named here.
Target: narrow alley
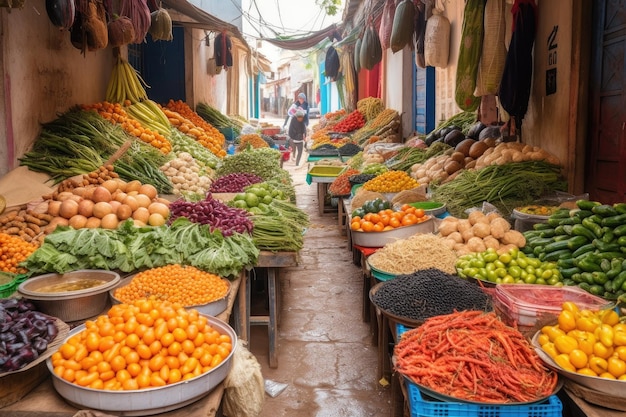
(325, 351)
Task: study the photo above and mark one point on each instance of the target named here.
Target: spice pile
(473, 356)
(429, 293)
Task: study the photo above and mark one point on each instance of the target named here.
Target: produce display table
(322, 191)
(272, 262)
(43, 401)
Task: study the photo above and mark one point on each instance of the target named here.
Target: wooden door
(606, 163)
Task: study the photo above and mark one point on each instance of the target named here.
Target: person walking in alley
(297, 134)
(299, 104)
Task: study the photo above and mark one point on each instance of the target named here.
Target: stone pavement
(325, 352)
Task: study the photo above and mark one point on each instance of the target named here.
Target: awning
(306, 41)
(191, 16)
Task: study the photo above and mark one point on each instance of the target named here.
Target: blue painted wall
(424, 99)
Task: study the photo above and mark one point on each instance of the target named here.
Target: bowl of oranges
(181, 356)
(374, 230)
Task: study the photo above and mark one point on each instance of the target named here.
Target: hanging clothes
(514, 91)
(222, 51)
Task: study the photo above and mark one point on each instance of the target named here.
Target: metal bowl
(70, 305)
(212, 308)
(147, 401)
(612, 387)
(380, 239)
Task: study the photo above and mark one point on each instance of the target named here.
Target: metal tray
(613, 387)
(380, 239)
(148, 401)
(210, 309)
(405, 321)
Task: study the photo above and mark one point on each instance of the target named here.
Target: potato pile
(473, 154)
(479, 232)
(107, 204)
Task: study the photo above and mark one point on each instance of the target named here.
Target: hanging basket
(12, 4)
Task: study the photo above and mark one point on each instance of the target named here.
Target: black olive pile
(325, 149)
(361, 178)
(24, 333)
(349, 149)
(428, 293)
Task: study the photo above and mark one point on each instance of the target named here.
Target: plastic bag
(274, 388)
(292, 110)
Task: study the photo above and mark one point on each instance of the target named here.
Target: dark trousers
(298, 146)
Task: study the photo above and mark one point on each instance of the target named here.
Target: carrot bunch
(212, 140)
(209, 136)
(115, 113)
(472, 355)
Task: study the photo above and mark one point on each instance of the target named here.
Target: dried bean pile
(427, 293)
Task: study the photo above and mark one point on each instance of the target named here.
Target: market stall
(34, 394)
(271, 263)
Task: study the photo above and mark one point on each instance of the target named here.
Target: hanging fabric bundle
(403, 26)
(161, 25)
(222, 50)
(121, 31)
(437, 39)
(370, 52)
(89, 31)
(331, 63)
(517, 77)
(139, 13)
(419, 34)
(469, 55)
(386, 23)
(61, 13)
(493, 54)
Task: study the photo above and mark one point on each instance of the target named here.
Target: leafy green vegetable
(132, 248)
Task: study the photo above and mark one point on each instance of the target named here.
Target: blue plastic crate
(421, 407)
(401, 328)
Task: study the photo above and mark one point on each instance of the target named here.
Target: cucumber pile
(588, 244)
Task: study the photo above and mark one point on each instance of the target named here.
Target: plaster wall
(547, 120)
(43, 75)
(398, 85)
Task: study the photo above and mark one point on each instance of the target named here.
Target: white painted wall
(398, 85)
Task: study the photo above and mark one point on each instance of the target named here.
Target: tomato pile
(141, 345)
(388, 219)
(587, 342)
(352, 121)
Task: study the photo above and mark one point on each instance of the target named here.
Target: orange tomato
(367, 226)
(409, 219)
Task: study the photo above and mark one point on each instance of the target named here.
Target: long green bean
(505, 186)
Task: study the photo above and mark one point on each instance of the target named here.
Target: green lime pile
(257, 198)
(512, 267)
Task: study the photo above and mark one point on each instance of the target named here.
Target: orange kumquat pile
(141, 345)
(186, 285)
(388, 219)
(13, 250)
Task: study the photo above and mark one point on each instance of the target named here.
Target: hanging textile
(517, 77)
(222, 50)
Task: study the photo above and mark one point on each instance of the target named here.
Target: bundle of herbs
(79, 142)
(505, 186)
